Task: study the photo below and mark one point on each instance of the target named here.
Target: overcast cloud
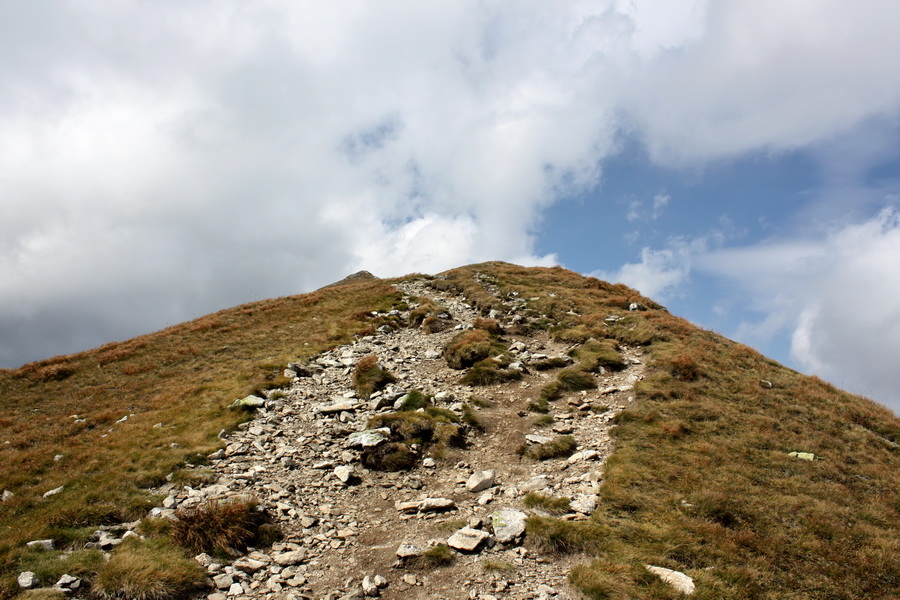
(158, 162)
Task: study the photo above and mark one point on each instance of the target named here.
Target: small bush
(543, 421)
(369, 378)
(488, 372)
(438, 556)
(557, 536)
(555, 362)
(539, 406)
(575, 380)
(492, 326)
(684, 367)
(414, 400)
(470, 417)
(393, 456)
(563, 445)
(497, 566)
(470, 347)
(148, 570)
(218, 528)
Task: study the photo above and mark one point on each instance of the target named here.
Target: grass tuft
(563, 445)
(548, 504)
(369, 377)
(151, 569)
(218, 527)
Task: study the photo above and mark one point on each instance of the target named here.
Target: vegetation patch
(563, 445)
(148, 570)
(222, 528)
(369, 377)
(489, 372)
(545, 364)
(469, 347)
(549, 504)
(559, 537)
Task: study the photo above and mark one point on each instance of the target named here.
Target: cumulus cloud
(156, 164)
(837, 294)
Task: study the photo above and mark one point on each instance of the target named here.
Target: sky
(735, 160)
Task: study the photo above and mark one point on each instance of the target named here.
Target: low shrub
(440, 555)
(219, 528)
(492, 326)
(152, 569)
(469, 347)
(392, 456)
(556, 536)
(594, 354)
(563, 445)
(545, 364)
(414, 400)
(369, 377)
(575, 380)
(488, 372)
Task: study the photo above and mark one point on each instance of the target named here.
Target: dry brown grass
(369, 377)
(148, 570)
(183, 377)
(219, 527)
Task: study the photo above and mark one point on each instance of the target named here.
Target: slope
(701, 481)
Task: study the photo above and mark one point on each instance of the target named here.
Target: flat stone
(286, 559)
(40, 545)
(676, 579)
(249, 565)
(370, 438)
(345, 474)
(508, 524)
(436, 504)
(54, 491)
(223, 581)
(236, 589)
(803, 455)
(535, 484)
(249, 402)
(538, 439)
(585, 504)
(480, 481)
(409, 550)
(68, 582)
(337, 407)
(467, 539)
(27, 580)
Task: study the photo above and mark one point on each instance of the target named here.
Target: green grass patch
(151, 569)
(550, 504)
(562, 446)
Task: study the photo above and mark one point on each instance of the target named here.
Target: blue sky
(737, 160)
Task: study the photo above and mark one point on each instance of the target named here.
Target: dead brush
(219, 527)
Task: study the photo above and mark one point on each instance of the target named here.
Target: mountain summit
(492, 431)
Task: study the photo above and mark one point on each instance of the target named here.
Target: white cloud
(837, 294)
(158, 163)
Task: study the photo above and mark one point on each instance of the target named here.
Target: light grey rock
(249, 565)
(370, 438)
(40, 545)
(508, 524)
(480, 481)
(249, 402)
(408, 549)
(54, 491)
(236, 589)
(345, 474)
(585, 504)
(369, 588)
(676, 579)
(336, 407)
(68, 582)
(287, 559)
(535, 438)
(436, 504)
(467, 539)
(217, 596)
(535, 484)
(27, 580)
(223, 581)
(429, 463)
(7, 495)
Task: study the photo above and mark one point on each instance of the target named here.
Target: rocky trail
(352, 532)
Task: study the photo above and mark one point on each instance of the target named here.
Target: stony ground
(346, 527)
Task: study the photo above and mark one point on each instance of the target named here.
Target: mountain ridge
(704, 397)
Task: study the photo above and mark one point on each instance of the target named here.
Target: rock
(409, 550)
(287, 559)
(54, 491)
(369, 588)
(467, 539)
(535, 438)
(68, 582)
(370, 438)
(409, 579)
(676, 579)
(535, 484)
(248, 565)
(508, 524)
(223, 581)
(585, 504)
(27, 580)
(251, 402)
(429, 463)
(217, 596)
(436, 504)
(7, 495)
(480, 481)
(336, 407)
(803, 455)
(40, 545)
(380, 581)
(345, 474)
(236, 589)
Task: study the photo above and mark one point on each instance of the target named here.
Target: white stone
(436, 504)
(585, 504)
(369, 587)
(480, 481)
(40, 545)
(286, 559)
(676, 579)
(344, 473)
(535, 484)
(369, 438)
(409, 549)
(467, 539)
(508, 524)
(54, 491)
(27, 580)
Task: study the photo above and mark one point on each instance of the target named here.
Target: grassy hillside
(702, 480)
(60, 423)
